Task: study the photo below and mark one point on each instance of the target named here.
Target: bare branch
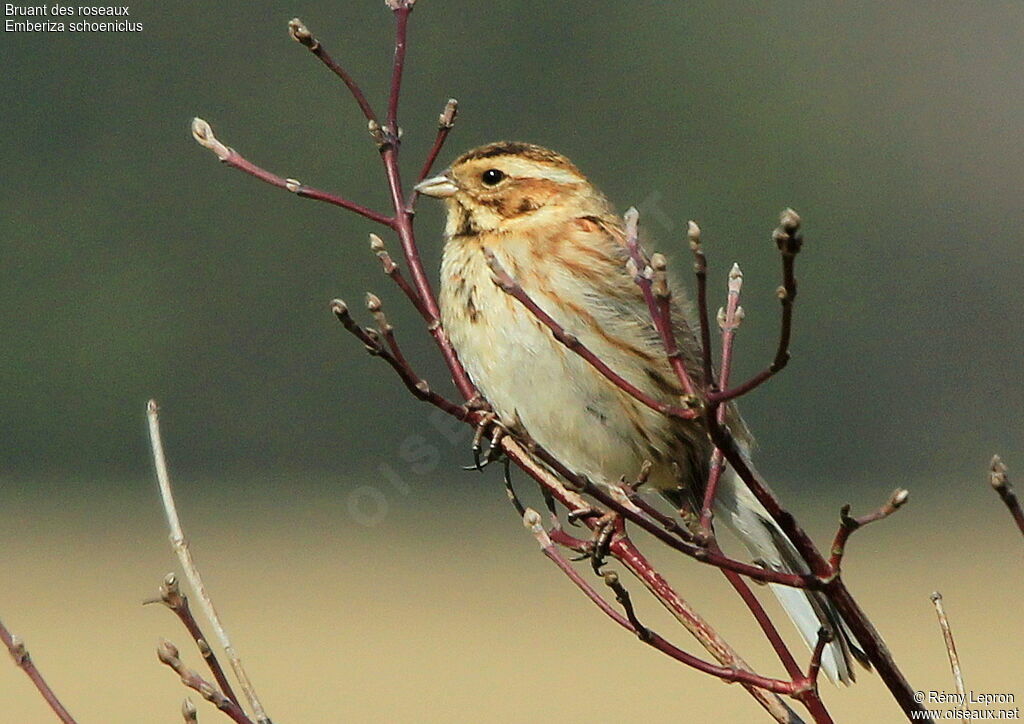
(169, 655)
(180, 545)
(789, 241)
(1000, 482)
(172, 597)
(814, 668)
(203, 134)
(413, 382)
(300, 34)
(395, 273)
(729, 321)
(848, 525)
(700, 269)
(401, 8)
(445, 123)
(947, 636)
(532, 521)
(22, 659)
(651, 276)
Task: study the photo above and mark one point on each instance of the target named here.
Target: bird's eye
(492, 176)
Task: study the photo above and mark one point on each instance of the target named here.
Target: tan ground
(439, 615)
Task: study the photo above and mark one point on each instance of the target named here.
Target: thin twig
(395, 273)
(652, 278)
(624, 550)
(413, 382)
(169, 655)
(188, 712)
(511, 287)
(947, 636)
(445, 123)
(814, 668)
(789, 241)
(532, 521)
(729, 320)
(402, 9)
(300, 34)
(22, 659)
(203, 134)
(1000, 482)
(180, 545)
(847, 524)
(829, 580)
(700, 270)
(172, 597)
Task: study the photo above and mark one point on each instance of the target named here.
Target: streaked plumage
(559, 238)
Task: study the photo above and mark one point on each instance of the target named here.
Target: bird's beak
(440, 187)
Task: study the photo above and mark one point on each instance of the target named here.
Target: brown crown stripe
(519, 149)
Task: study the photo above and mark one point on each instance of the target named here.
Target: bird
(532, 212)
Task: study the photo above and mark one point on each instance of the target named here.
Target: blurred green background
(134, 266)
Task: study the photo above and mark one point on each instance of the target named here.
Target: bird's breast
(534, 382)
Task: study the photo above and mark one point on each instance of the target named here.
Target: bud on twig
(789, 220)
(898, 498)
(339, 308)
(203, 133)
(447, 117)
(300, 34)
(787, 236)
(532, 522)
(998, 477)
(376, 133)
(168, 654)
(693, 234)
(660, 286)
(18, 651)
(188, 711)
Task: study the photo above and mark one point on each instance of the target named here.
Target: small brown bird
(558, 236)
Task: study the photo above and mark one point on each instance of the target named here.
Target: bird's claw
(491, 428)
(605, 527)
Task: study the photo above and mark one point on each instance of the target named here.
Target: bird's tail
(737, 507)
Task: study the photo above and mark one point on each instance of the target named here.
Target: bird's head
(507, 186)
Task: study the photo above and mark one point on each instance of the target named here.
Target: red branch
(203, 134)
(848, 525)
(700, 270)
(650, 276)
(511, 287)
(172, 597)
(532, 522)
(300, 34)
(445, 123)
(729, 321)
(1000, 482)
(21, 657)
(415, 384)
(787, 237)
(169, 655)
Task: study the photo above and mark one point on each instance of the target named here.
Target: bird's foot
(606, 525)
(491, 429)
